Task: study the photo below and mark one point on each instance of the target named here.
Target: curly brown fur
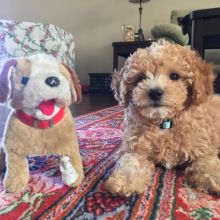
(167, 81)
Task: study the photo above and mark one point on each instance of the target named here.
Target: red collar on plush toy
(47, 108)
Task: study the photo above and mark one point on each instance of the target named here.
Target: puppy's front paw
(117, 184)
(121, 184)
(204, 182)
(205, 177)
(131, 175)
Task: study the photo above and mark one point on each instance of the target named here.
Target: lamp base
(139, 36)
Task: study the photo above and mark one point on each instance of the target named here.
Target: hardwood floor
(93, 102)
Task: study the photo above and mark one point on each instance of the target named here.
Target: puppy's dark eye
(174, 76)
(24, 80)
(140, 78)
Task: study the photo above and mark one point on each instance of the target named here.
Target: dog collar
(166, 124)
(36, 123)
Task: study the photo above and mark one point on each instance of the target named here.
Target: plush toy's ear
(5, 80)
(70, 74)
(202, 85)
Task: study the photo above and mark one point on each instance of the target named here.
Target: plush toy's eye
(174, 76)
(140, 78)
(24, 80)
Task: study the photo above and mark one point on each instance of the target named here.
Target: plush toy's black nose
(155, 94)
(52, 81)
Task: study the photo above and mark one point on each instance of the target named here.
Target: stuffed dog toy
(171, 118)
(39, 90)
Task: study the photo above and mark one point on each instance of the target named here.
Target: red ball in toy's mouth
(47, 107)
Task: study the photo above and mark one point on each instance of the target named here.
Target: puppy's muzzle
(52, 81)
(155, 94)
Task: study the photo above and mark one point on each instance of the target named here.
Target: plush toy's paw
(14, 186)
(70, 175)
(79, 179)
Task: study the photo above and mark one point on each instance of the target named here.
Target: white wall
(95, 23)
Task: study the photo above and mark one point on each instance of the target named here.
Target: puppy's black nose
(52, 81)
(155, 94)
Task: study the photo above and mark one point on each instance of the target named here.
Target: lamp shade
(138, 1)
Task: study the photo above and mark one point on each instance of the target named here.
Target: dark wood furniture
(100, 82)
(203, 27)
(91, 102)
(124, 49)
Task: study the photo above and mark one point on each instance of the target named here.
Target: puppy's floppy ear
(70, 74)
(202, 85)
(115, 84)
(5, 80)
(120, 87)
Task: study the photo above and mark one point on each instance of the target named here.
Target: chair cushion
(170, 32)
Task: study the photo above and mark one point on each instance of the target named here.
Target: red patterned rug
(166, 197)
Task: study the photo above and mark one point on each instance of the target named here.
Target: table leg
(115, 59)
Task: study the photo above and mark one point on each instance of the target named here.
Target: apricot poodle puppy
(171, 118)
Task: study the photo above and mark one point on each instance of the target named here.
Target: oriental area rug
(167, 196)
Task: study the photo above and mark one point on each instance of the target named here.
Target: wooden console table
(124, 49)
